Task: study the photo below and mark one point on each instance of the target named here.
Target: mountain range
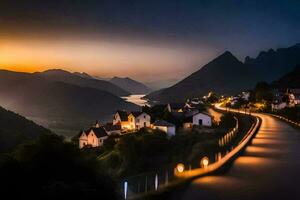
(227, 75)
(130, 85)
(81, 79)
(54, 102)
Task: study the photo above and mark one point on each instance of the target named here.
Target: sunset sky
(146, 40)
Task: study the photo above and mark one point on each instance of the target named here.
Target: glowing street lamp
(180, 168)
(204, 162)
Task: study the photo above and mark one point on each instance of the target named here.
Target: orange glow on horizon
(103, 58)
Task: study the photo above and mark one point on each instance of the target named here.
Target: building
(138, 120)
(164, 126)
(198, 119)
(93, 137)
(112, 129)
(289, 98)
(295, 95)
(121, 118)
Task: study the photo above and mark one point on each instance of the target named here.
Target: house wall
(83, 141)
(92, 139)
(206, 120)
(142, 120)
(116, 119)
(162, 128)
(170, 130)
(131, 122)
(101, 140)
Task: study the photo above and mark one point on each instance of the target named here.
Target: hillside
(227, 75)
(81, 79)
(15, 129)
(57, 105)
(289, 80)
(130, 85)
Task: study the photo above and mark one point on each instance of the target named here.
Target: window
(138, 120)
(144, 116)
(145, 124)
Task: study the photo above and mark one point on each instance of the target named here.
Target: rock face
(227, 75)
(130, 85)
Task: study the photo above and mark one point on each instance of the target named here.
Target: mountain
(227, 75)
(130, 85)
(57, 105)
(82, 80)
(15, 129)
(159, 84)
(272, 64)
(289, 80)
(83, 75)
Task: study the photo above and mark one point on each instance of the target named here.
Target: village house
(121, 118)
(295, 95)
(164, 126)
(198, 119)
(131, 121)
(281, 100)
(112, 129)
(138, 120)
(93, 137)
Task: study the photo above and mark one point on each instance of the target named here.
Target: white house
(164, 126)
(138, 120)
(93, 137)
(199, 119)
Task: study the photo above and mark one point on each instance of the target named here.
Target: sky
(146, 40)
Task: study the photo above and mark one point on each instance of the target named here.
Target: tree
(263, 91)
(50, 168)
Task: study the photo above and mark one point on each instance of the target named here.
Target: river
(136, 99)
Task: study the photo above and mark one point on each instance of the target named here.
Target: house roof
(162, 123)
(123, 115)
(80, 133)
(136, 113)
(99, 132)
(111, 127)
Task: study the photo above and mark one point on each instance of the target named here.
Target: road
(268, 169)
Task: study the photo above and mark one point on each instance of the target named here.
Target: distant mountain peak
(49, 71)
(226, 57)
(83, 75)
(130, 85)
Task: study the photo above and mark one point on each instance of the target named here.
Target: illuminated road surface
(269, 168)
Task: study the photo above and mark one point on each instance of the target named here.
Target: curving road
(269, 168)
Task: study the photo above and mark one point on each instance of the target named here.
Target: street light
(180, 168)
(204, 162)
